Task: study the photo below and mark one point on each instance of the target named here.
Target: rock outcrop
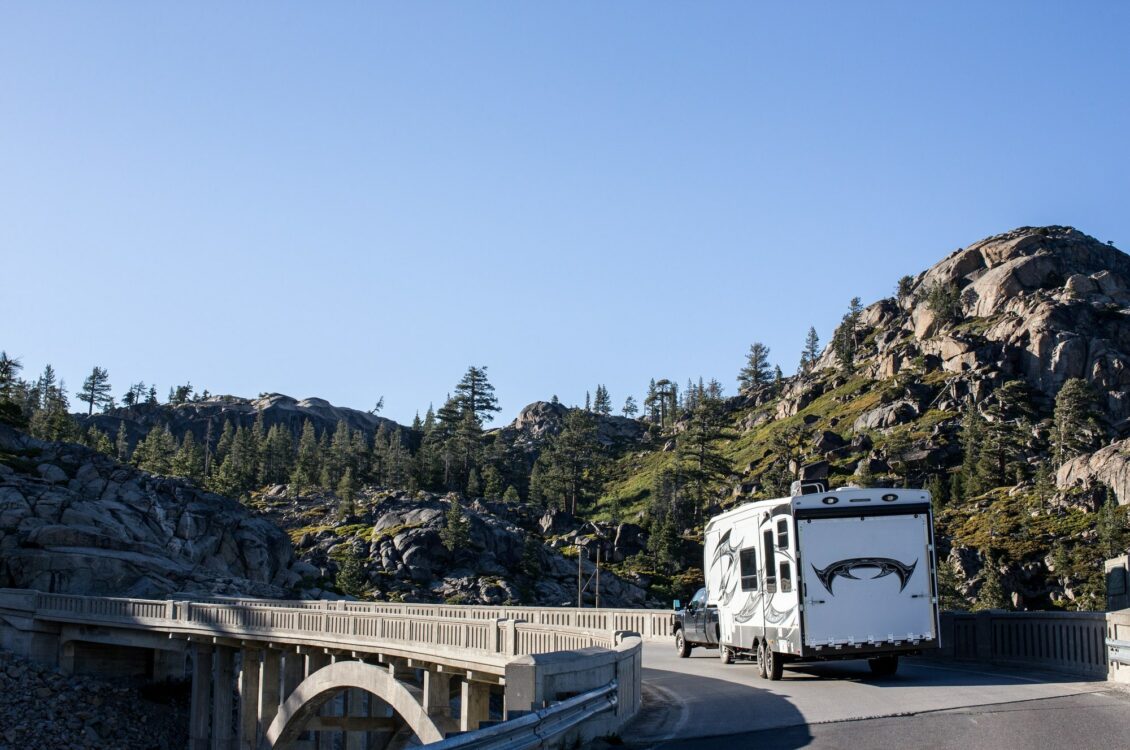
(73, 520)
(1109, 466)
(542, 420)
(397, 538)
(1040, 303)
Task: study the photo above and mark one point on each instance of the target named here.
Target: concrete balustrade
(1068, 642)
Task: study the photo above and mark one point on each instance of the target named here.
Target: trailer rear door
(867, 578)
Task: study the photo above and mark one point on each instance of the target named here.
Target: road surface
(689, 703)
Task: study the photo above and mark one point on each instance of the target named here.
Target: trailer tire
(761, 670)
(682, 648)
(774, 665)
(884, 666)
(726, 654)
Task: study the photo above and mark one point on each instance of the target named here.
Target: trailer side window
(748, 562)
(770, 563)
(783, 533)
(786, 577)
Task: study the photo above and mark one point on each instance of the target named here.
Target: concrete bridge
(354, 675)
(277, 674)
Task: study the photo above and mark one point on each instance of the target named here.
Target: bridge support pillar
(357, 705)
(249, 676)
(437, 693)
(269, 688)
(474, 704)
(222, 687)
(199, 720)
(294, 670)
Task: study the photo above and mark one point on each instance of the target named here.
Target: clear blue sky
(356, 199)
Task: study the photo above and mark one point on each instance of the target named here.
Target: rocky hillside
(75, 521)
(994, 330)
(391, 547)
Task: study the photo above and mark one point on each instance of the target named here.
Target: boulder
(1109, 466)
(887, 415)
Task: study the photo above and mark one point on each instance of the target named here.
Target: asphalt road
(692, 703)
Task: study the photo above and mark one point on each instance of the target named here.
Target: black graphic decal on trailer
(845, 569)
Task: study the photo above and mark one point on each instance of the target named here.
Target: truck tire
(682, 648)
(726, 654)
(884, 666)
(774, 664)
(761, 670)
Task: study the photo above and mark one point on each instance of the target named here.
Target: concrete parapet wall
(1068, 642)
(538, 680)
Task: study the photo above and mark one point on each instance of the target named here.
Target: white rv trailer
(844, 574)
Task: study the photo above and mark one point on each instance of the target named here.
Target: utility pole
(598, 577)
(580, 550)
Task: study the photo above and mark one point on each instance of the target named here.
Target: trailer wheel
(774, 665)
(884, 666)
(682, 648)
(761, 670)
(726, 654)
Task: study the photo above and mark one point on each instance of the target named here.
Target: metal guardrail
(1118, 651)
(537, 727)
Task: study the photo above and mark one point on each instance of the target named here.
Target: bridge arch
(321, 686)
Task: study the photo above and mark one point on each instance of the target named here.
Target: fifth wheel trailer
(844, 574)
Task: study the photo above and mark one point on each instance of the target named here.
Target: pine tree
(52, 420)
(475, 394)
(944, 300)
(603, 403)
(456, 533)
(155, 452)
(121, 444)
(9, 371)
(630, 409)
(811, 351)
(189, 459)
(992, 594)
(972, 435)
(511, 495)
(307, 464)
(351, 579)
(98, 440)
(569, 469)
(588, 401)
(903, 289)
(845, 339)
(756, 370)
(346, 488)
(1077, 429)
(474, 485)
(699, 456)
(492, 482)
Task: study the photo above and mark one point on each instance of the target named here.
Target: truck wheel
(774, 666)
(682, 648)
(884, 666)
(761, 670)
(726, 654)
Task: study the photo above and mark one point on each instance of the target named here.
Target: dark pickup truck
(696, 625)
